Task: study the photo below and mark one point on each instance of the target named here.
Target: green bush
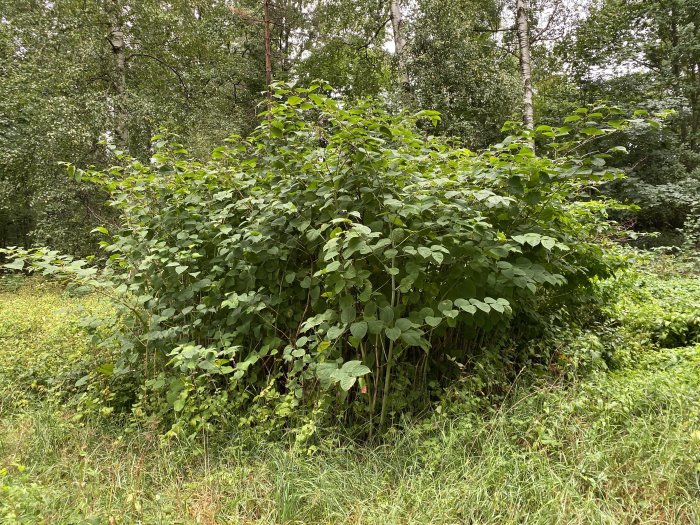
(663, 311)
(338, 257)
(691, 237)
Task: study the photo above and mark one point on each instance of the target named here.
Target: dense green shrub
(663, 179)
(690, 249)
(340, 257)
(665, 312)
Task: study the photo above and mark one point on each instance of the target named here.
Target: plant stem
(387, 376)
(387, 385)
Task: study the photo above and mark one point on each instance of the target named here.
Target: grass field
(620, 447)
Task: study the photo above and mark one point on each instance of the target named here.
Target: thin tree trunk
(695, 101)
(525, 63)
(268, 52)
(399, 43)
(695, 110)
(676, 70)
(116, 39)
(695, 106)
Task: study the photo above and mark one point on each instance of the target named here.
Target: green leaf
(498, 307)
(168, 312)
(481, 305)
(355, 368)
(332, 267)
(17, 264)
(324, 373)
(393, 333)
(386, 314)
(425, 252)
(347, 309)
(359, 329)
(548, 242)
(592, 132)
(403, 324)
(572, 118)
(106, 369)
(465, 306)
(445, 305)
(433, 321)
(82, 381)
(412, 338)
(347, 382)
(533, 239)
(334, 332)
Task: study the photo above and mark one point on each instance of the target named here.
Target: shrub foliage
(339, 257)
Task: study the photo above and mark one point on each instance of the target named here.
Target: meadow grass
(620, 447)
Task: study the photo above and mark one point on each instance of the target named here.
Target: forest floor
(610, 447)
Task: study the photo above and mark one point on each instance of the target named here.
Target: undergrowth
(609, 446)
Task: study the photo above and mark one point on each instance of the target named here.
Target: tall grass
(615, 448)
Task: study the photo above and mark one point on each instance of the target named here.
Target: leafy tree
(460, 71)
(345, 46)
(651, 60)
(67, 83)
(657, 38)
(49, 98)
(74, 73)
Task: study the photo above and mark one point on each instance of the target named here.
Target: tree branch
(547, 27)
(374, 36)
(183, 84)
(487, 30)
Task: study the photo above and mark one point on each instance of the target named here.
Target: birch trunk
(525, 63)
(399, 42)
(268, 52)
(116, 39)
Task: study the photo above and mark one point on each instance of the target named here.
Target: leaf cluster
(340, 257)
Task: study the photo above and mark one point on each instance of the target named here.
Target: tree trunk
(676, 70)
(525, 63)
(399, 43)
(268, 52)
(695, 101)
(695, 109)
(116, 39)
